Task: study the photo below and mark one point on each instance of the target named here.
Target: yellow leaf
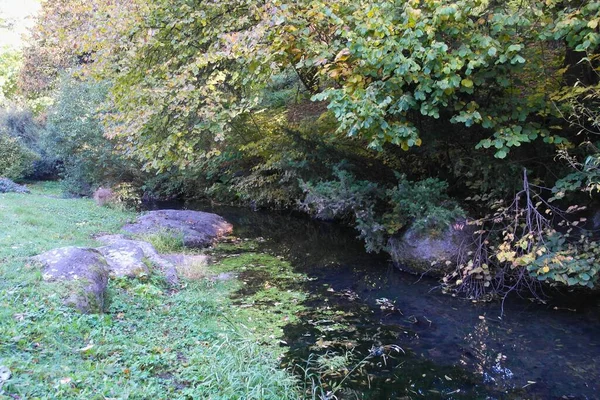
(342, 55)
(467, 83)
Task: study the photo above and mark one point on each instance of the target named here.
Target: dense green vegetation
(432, 116)
(152, 342)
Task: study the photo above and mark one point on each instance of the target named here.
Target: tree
(10, 63)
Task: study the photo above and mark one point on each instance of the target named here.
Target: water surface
(359, 304)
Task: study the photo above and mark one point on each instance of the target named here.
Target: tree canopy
(268, 101)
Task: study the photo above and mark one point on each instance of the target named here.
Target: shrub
(6, 186)
(126, 196)
(75, 136)
(525, 242)
(16, 160)
(424, 204)
(21, 125)
(377, 213)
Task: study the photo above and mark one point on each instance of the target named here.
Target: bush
(75, 136)
(423, 204)
(378, 213)
(7, 186)
(16, 160)
(21, 125)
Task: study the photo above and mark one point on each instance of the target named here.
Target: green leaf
(501, 154)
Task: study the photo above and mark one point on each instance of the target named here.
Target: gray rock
(129, 258)
(198, 229)
(415, 252)
(84, 272)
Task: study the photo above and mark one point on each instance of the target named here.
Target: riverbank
(152, 341)
(285, 290)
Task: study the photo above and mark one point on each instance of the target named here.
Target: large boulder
(197, 229)
(130, 258)
(84, 273)
(429, 253)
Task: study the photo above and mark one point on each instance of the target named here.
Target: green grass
(203, 341)
(165, 241)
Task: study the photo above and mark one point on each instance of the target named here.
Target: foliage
(584, 178)
(75, 136)
(406, 61)
(423, 205)
(16, 160)
(347, 199)
(126, 196)
(21, 124)
(523, 243)
(189, 59)
(341, 198)
(10, 62)
(188, 73)
(7, 186)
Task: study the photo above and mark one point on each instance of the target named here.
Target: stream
(418, 342)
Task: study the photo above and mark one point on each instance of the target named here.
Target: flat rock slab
(126, 257)
(84, 269)
(197, 228)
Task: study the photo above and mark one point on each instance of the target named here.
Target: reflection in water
(486, 361)
(451, 348)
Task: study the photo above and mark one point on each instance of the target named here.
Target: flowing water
(418, 342)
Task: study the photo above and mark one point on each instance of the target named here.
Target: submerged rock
(427, 253)
(197, 229)
(84, 272)
(7, 185)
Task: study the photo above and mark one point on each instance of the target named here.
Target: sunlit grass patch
(165, 241)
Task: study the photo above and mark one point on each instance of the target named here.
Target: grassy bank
(209, 339)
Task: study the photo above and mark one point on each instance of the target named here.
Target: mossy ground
(207, 339)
